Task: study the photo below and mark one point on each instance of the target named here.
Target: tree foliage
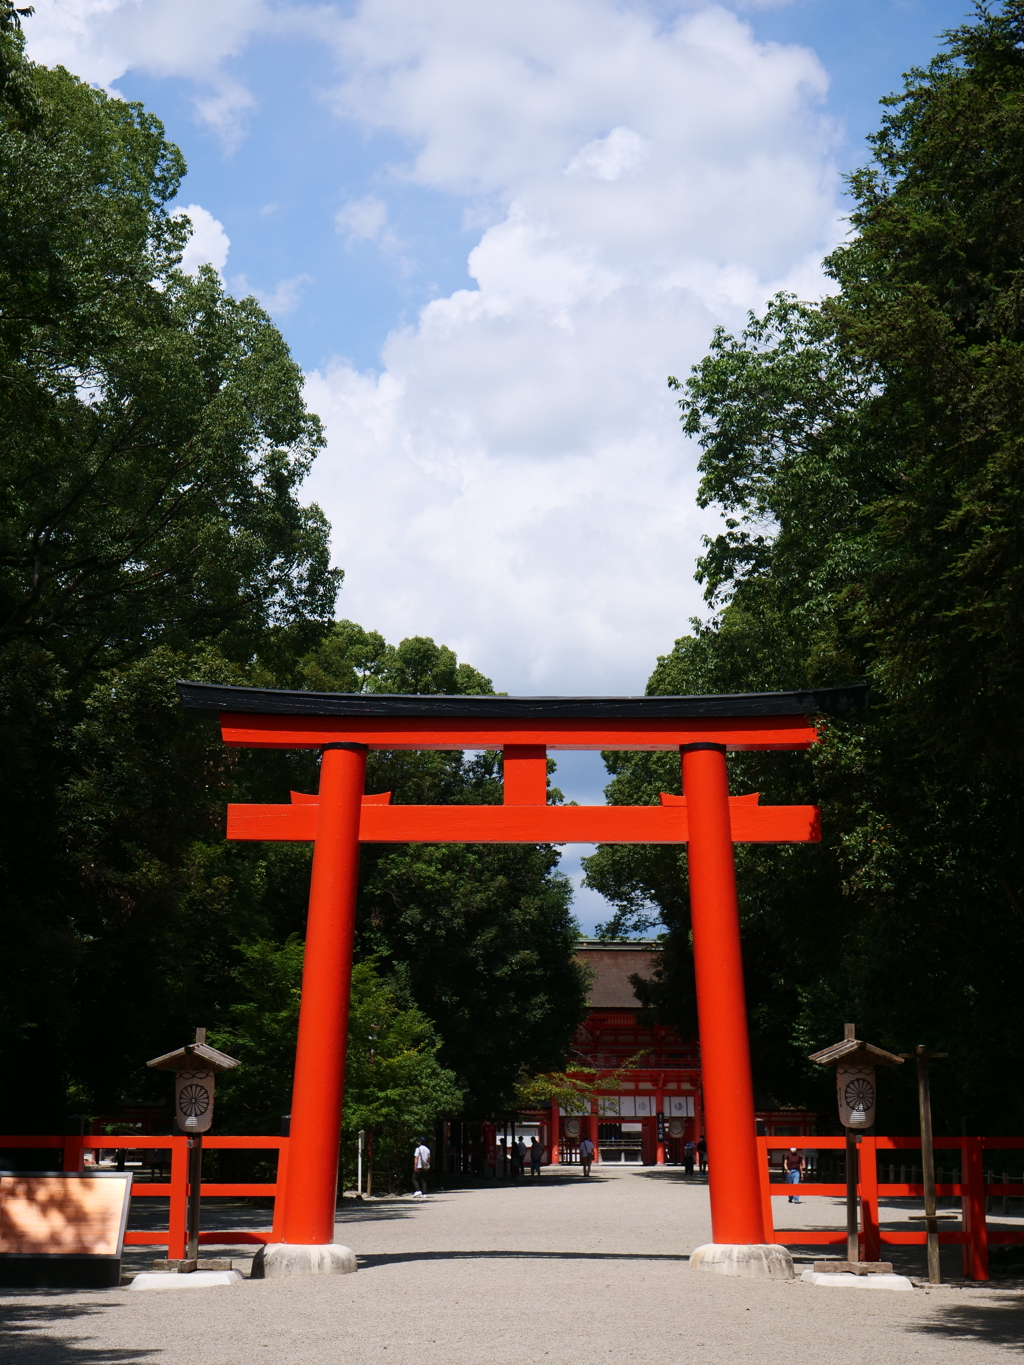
(394, 1083)
(153, 444)
(865, 452)
(483, 932)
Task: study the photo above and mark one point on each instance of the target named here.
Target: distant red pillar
(592, 1130)
(733, 1172)
(659, 1115)
(555, 1137)
(311, 1180)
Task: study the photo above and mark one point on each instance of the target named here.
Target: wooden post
(733, 1173)
(73, 1148)
(767, 1213)
(852, 1239)
(195, 1185)
(924, 1101)
(311, 1188)
(973, 1203)
(869, 1199)
(281, 1181)
(177, 1212)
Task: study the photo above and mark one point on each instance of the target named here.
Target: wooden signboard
(63, 1230)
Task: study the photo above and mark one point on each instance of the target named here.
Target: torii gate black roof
(213, 697)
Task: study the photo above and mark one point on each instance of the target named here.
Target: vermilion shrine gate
(342, 815)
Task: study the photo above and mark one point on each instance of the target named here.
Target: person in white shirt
(586, 1155)
(420, 1167)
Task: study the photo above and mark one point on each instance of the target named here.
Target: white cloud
(611, 157)
(284, 298)
(100, 40)
(209, 243)
(513, 481)
(362, 220)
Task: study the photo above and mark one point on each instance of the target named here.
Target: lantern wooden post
(196, 1065)
(852, 1220)
(855, 1063)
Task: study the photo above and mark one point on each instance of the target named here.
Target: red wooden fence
(974, 1235)
(176, 1188)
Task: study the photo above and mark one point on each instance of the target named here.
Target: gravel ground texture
(558, 1269)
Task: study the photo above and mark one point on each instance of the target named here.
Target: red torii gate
(341, 816)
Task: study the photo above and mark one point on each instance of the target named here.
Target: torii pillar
(710, 821)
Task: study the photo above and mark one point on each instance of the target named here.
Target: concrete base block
(846, 1281)
(762, 1262)
(196, 1279)
(283, 1258)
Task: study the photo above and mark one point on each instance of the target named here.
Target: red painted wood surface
(975, 1239)
(974, 1236)
(173, 1236)
(733, 1167)
(530, 823)
(525, 775)
(869, 1233)
(973, 1205)
(312, 1176)
(310, 732)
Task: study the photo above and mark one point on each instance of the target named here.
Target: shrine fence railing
(973, 1190)
(174, 1189)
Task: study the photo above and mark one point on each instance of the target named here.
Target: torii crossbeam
(344, 727)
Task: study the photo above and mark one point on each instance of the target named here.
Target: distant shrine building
(647, 1103)
(652, 1104)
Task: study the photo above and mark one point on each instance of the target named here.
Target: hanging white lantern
(857, 1095)
(193, 1100)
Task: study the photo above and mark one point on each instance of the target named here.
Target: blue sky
(489, 233)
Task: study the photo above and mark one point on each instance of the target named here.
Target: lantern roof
(197, 1056)
(852, 1051)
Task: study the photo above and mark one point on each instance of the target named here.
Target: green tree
(483, 932)
(152, 442)
(394, 1084)
(864, 454)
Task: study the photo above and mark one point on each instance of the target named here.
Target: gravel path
(559, 1269)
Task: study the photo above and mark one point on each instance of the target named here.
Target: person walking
(795, 1162)
(689, 1156)
(420, 1167)
(586, 1155)
(520, 1158)
(536, 1157)
(702, 1155)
